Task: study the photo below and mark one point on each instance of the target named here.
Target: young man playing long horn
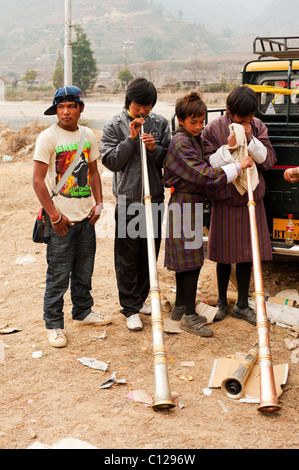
(121, 153)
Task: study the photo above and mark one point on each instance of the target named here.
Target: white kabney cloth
(224, 156)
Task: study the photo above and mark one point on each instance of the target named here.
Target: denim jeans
(70, 258)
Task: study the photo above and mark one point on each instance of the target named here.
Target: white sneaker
(93, 319)
(134, 323)
(57, 338)
(146, 309)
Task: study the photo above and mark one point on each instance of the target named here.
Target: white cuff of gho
(257, 150)
(231, 171)
(99, 208)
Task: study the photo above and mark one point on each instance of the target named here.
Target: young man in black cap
(73, 213)
(120, 149)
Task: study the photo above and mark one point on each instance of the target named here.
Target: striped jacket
(229, 234)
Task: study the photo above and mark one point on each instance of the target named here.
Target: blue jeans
(69, 257)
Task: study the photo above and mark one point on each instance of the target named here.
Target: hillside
(257, 17)
(35, 28)
(218, 15)
(217, 36)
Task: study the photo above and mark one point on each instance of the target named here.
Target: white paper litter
(37, 354)
(102, 336)
(93, 363)
(27, 259)
(281, 314)
(66, 443)
(112, 380)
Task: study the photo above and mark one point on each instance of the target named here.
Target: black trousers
(131, 254)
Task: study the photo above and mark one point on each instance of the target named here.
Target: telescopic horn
(268, 395)
(233, 386)
(162, 396)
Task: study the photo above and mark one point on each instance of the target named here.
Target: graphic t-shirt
(57, 148)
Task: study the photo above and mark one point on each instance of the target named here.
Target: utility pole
(67, 42)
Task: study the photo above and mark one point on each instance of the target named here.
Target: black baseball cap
(65, 93)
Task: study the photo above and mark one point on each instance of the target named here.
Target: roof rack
(279, 47)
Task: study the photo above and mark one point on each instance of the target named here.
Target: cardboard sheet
(226, 366)
(206, 310)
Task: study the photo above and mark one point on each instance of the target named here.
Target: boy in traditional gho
(190, 177)
(229, 232)
(73, 213)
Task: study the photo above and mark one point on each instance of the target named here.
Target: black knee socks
(186, 286)
(243, 273)
(223, 274)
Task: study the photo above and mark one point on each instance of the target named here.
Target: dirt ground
(53, 396)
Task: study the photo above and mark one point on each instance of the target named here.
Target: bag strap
(72, 166)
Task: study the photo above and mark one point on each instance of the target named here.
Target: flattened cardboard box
(226, 366)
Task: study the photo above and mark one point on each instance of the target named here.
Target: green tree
(29, 76)
(58, 76)
(83, 62)
(125, 76)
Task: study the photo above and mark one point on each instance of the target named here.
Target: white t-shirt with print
(57, 148)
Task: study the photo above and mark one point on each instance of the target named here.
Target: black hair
(190, 105)
(141, 91)
(242, 101)
(70, 99)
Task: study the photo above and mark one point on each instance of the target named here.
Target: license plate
(279, 229)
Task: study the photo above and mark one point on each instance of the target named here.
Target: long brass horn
(268, 395)
(233, 386)
(162, 395)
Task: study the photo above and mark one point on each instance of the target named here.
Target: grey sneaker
(247, 314)
(194, 325)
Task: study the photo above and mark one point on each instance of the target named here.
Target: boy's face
(68, 114)
(138, 110)
(193, 125)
